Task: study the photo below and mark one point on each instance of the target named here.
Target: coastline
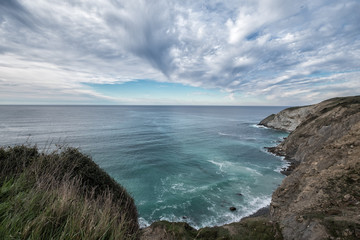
(265, 211)
(292, 164)
(262, 214)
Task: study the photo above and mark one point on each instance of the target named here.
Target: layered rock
(288, 119)
(320, 199)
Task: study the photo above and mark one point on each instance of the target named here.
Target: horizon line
(142, 105)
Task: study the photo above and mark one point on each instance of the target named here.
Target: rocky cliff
(320, 199)
(288, 119)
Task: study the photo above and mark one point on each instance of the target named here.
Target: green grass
(61, 195)
(259, 228)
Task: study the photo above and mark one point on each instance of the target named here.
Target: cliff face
(325, 123)
(288, 119)
(320, 199)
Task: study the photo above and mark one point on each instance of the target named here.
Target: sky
(135, 52)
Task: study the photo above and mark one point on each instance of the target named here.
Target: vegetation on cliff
(259, 228)
(61, 195)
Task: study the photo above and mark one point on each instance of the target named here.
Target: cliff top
(290, 118)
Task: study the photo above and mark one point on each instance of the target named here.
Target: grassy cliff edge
(61, 195)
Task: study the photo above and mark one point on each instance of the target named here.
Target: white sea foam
(222, 165)
(178, 187)
(258, 166)
(226, 134)
(226, 166)
(143, 223)
(252, 171)
(220, 216)
(219, 164)
(226, 217)
(196, 189)
(285, 164)
(259, 126)
(140, 203)
(256, 204)
(162, 208)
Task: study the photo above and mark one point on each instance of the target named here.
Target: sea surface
(179, 163)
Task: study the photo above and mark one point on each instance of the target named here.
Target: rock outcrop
(288, 119)
(320, 199)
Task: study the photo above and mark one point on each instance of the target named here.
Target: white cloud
(271, 47)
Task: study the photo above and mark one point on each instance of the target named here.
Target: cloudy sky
(236, 52)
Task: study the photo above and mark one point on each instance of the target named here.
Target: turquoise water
(179, 163)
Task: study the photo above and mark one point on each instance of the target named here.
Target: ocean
(180, 163)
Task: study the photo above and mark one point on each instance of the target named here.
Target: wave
(221, 218)
(143, 223)
(252, 171)
(285, 164)
(227, 134)
(259, 126)
(255, 203)
(226, 166)
(221, 165)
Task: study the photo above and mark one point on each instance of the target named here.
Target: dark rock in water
(232, 209)
(239, 194)
(276, 150)
(184, 217)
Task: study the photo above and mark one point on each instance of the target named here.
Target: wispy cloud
(279, 51)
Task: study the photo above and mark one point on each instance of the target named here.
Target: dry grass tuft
(61, 195)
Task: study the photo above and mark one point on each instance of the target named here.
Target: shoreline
(292, 164)
(263, 211)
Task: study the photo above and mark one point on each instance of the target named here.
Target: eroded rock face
(320, 199)
(327, 122)
(288, 119)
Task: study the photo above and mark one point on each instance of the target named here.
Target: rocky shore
(319, 198)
